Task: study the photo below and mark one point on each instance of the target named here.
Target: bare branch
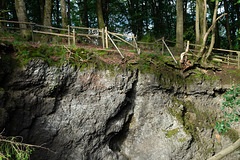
(206, 35)
(226, 151)
(26, 145)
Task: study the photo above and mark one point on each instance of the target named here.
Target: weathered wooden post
(103, 42)
(169, 51)
(106, 33)
(74, 37)
(238, 60)
(69, 36)
(138, 49)
(32, 32)
(228, 59)
(114, 45)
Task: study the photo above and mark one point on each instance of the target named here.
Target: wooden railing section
(227, 57)
(71, 32)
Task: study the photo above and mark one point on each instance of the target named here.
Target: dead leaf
(218, 137)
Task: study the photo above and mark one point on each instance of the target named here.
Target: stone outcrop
(96, 114)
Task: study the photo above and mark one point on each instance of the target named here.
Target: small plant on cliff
(232, 105)
(10, 148)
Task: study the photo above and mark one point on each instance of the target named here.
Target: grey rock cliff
(91, 114)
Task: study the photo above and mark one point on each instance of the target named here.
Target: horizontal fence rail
(72, 32)
(225, 59)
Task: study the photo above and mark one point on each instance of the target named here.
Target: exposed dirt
(229, 75)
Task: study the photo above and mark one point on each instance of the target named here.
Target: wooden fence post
(103, 41)
(69, 35)
(32, 32)
(114, 45)
(228, 59)
(74, 37)
(238, 60)
(138, 49)
(106, 37)
(169, 51)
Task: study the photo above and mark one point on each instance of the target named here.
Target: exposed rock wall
(176, 123)
(94, 114)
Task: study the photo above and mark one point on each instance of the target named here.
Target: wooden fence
(229, 58)
(226, 57)
(71, 32)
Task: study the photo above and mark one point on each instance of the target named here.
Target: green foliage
(11, 149)
(231, 109)
(172, 132)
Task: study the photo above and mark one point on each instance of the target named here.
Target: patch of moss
(2, 89)
(191, 118)
(182, 139)
(172, 132)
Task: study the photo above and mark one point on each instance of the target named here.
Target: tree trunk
(86, 14)
(69, 12)
(2, 15)
(233, 26)
(205, 57)
(41, 5)
(236, 5)
(101, 23)
(217, 37)
(185, 3)
(64, 14)
(2, 8)
(22, 17)
(227, 26)
(47, 21)
(58, 15)
(202, 18)
(179, 31)
(197, 23)
(106, 11)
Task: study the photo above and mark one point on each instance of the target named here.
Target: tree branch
(206, 35)
(24, 144)
(226, 151)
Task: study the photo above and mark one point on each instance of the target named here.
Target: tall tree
(41, 5)
(105, 11)
(64, 14)
(69, 12)
(2, 9)
(179, 31)
(57, 13)
(47, 20)
(227, 25)
(85, 17)
(197, 23)
(22, 17)
(101, 23)
(200, 24)
(2, 14)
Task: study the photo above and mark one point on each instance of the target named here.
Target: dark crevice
(118, 138)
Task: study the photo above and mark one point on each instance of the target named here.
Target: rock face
(91, 115)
